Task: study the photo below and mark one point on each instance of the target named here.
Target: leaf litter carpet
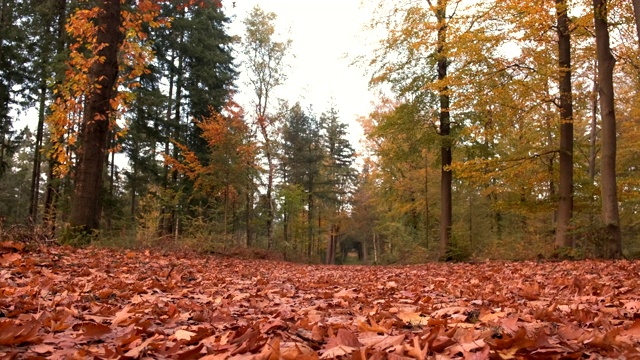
(63, 303)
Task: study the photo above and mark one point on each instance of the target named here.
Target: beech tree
(565, 191)
(608, 185)
(264, 57)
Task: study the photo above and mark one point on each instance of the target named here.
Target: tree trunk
(35, 176)
(445, 131)
(87, 201)
(134, 186)
(163, 225)
(173, 224)
(565, 188)
(269, 198)
(53, 184)
(310, 220)
(427, 226)
(4, 91)
(331, 247)
(249, 211)
(609, 193)
(374, 240)
(593, 133)
(636, 13)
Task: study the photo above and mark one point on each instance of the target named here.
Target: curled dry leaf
(98, 303)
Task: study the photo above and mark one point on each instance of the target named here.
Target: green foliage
(78, 236)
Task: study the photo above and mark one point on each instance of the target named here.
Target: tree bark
(37, 158)
(445, 131)
(565, 188)
(427, 226)
(87, 201)
(609, 193)
(636, 13)
(593, 132)
(249, 211)
(164, 212)
(53, 184)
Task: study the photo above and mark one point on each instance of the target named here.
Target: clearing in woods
(66, 303)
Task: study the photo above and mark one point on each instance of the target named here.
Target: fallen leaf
(184, 335)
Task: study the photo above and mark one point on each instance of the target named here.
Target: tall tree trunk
(87, 201)
(4, 91)
(593, 138)
(227, 188)
(53, 183)
(609, 193)
(173, 224)
(164, 212)
(134, 185)
(249, 210)
(565, 188)
(310, 224)
(593, 132)
(111, 172)
(427, 226)
(636, 13)
(269, 198)
(37, 158)
(331, 247)
(374, 242)
(445, 131)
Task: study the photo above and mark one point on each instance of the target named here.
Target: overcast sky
(326, 35)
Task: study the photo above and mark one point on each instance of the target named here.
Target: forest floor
(59, 302)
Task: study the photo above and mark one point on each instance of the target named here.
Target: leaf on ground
(100, 303)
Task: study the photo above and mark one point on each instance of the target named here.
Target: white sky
(327, 35)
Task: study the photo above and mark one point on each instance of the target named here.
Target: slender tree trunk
(565, 189)
(4, 91)
(375, 247)
(53, 183)
(269, 199)
(593, 132)
(37, 158)
(471, 220)
(331, 248)
(111, 173)
(173, 225)
(134, 186)
(445, 131)
(227, 188)
(285, 222)
(249, 211)
(609, 193)
(636, 13)
(593, 138)
(163, 225)
(427, 225)
(87, 201)
(309, 224)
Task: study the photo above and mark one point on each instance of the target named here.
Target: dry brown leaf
(184, 335)
(229, 308)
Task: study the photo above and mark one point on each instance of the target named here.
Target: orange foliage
(229, 151)
(135, 55)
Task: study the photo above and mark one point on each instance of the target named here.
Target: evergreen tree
(13, 74)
